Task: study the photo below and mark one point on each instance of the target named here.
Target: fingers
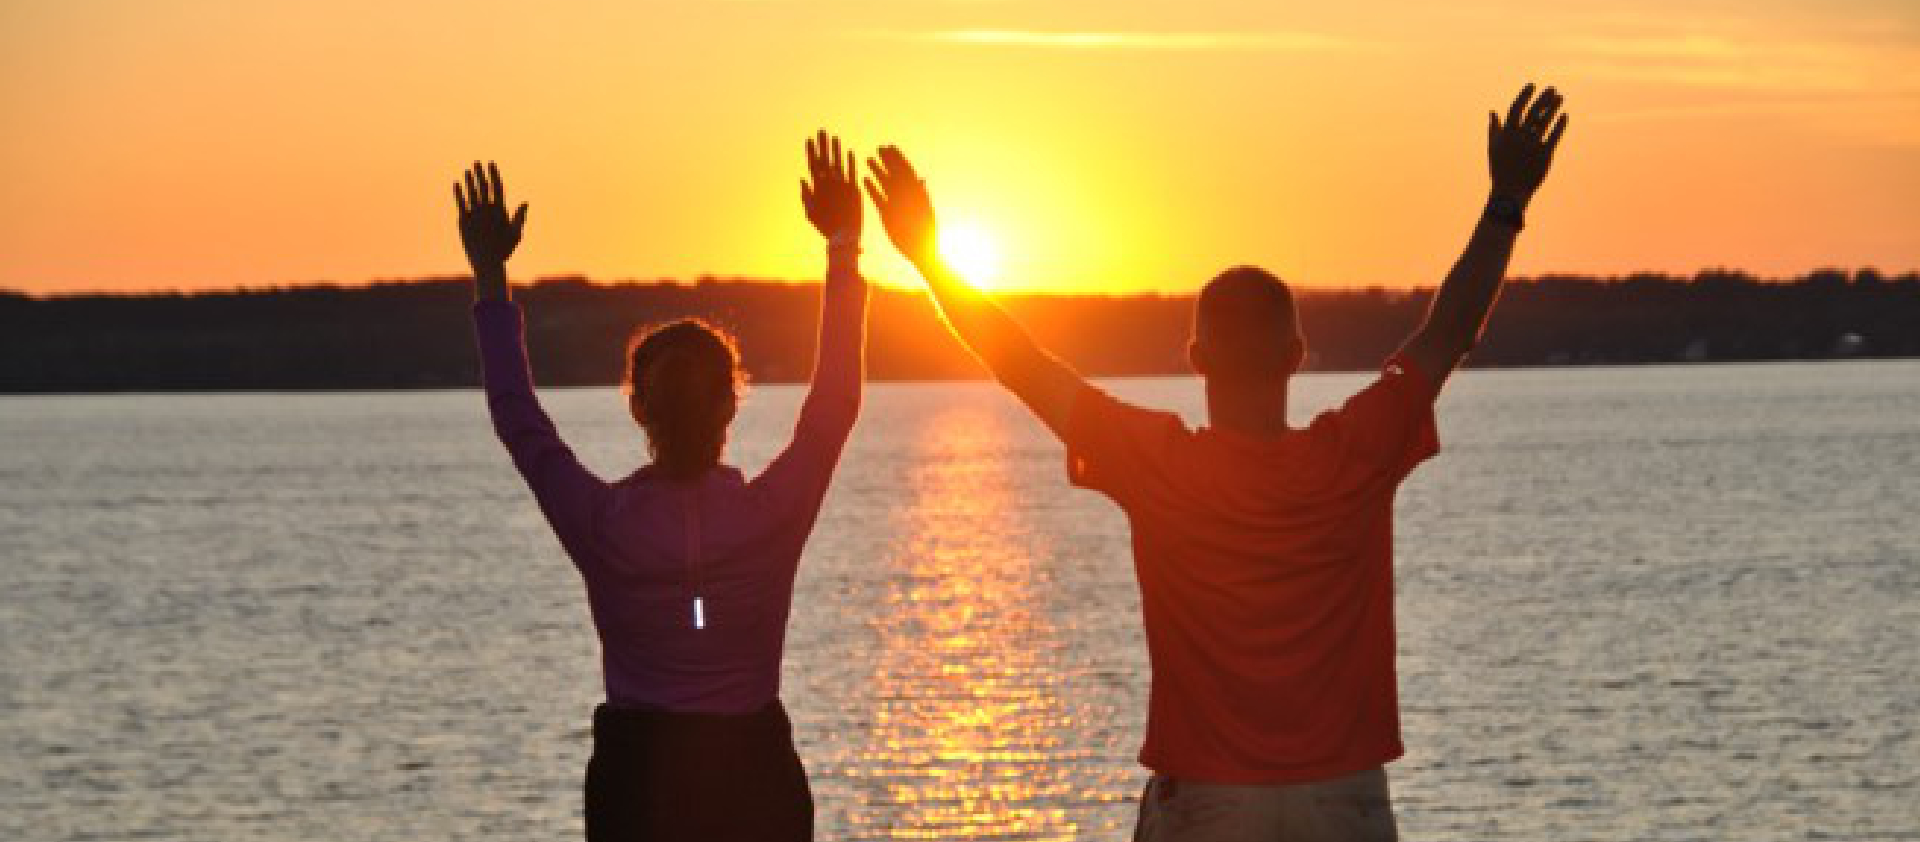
(829, 161)
(806, 196)
(459, 199)
(892, 169)
(897, 165)
(1519, 107)
(1542, 112)
(1553, 139)
(1493, 127)
(474, 197)
(499, 187)
(879, 198)
(520, 218)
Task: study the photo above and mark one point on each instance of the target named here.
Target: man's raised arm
(1044, 383)
(1519, 152)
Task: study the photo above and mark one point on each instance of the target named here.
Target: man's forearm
(1045, 384)
(1464, 300)
(982, 325)
(1467, 296)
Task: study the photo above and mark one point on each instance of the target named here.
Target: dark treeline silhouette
(418, 335)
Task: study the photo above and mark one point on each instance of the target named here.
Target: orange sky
(1101, 144)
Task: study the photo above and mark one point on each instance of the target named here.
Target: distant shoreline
(411, 336)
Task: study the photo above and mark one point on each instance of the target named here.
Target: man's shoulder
(1096, 409)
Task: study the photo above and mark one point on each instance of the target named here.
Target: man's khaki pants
(1351, 808)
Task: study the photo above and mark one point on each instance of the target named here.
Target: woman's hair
(685, 377)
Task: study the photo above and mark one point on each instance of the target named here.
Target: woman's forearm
(840, 359)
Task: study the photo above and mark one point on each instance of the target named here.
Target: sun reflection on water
(968, 723)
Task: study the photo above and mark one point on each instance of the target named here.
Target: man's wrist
(924, 259)
(1506, 208)
(1514, 194)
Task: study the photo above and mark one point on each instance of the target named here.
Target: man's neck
(1256, 409)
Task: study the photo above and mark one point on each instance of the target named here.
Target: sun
(972, 252)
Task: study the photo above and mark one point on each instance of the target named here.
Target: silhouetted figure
(689, 565)
(1264, 552)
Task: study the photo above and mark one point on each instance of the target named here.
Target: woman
(689, 566)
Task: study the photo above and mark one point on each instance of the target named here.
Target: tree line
(417, 334)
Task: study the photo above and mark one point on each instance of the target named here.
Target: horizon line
(915, 287)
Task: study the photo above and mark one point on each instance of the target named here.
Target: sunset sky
(1096, 145)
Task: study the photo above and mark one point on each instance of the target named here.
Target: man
(1264, 552)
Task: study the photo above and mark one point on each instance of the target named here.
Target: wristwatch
(1506, 211)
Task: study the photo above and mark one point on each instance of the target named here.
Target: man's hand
(905, 208)
(1519, 151)
(832, 201)
(486, 232)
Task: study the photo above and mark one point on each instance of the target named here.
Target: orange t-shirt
(1266, 578)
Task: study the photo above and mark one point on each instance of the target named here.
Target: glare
(972, 251)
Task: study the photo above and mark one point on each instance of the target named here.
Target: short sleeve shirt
(1266, 578)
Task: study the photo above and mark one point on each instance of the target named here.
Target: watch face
(1504, 209)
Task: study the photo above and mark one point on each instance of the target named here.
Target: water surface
(1647, 603)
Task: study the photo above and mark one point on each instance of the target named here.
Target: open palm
(832, 200)
(1520, 150)
(904, 205)
(485, 230)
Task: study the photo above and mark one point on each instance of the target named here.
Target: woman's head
(683, 385)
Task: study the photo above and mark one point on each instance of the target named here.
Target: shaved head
(1244, 324)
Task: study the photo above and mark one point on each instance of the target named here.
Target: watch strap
(1505, 210)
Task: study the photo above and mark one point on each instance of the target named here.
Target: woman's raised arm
(831, 198)
(568, 493)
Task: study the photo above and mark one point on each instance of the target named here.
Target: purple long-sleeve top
(642, 543)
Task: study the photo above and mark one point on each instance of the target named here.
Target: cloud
(1289, 41)
(1775, 65)
(1687, 46)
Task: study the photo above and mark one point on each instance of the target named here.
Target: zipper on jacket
(694, 583)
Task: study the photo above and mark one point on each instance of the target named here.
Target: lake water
(1647, 603)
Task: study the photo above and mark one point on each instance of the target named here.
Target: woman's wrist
(844, 241)
(490, 282)
(843, 256)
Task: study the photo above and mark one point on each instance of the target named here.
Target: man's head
(1245, 328)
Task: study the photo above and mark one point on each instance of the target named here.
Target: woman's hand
(905, 208)
(486, 232)
(832, 200)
